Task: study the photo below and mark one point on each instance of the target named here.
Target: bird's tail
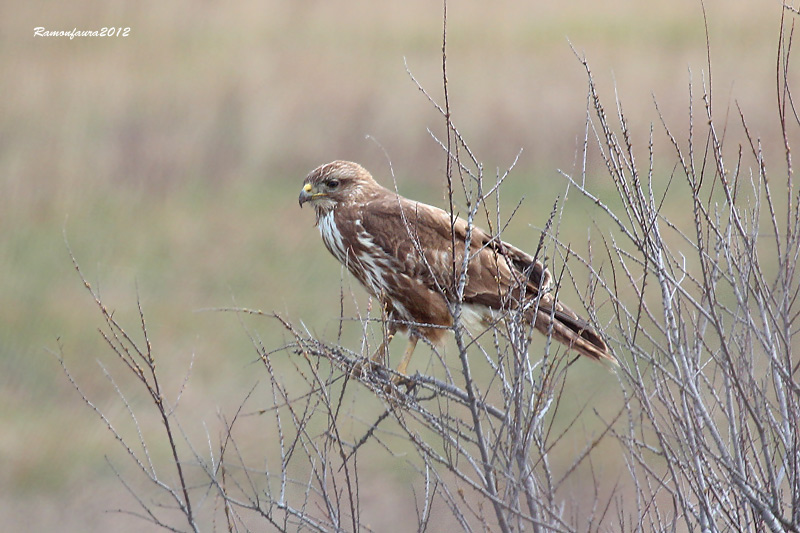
(573, 331)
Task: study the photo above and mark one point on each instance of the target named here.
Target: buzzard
(402, 253)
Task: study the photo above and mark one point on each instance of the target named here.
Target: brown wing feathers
(497, 272)
(521, 278)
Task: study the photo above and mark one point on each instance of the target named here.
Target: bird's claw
(363, 367)
(399, 380)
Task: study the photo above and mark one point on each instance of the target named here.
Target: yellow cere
(307, 187)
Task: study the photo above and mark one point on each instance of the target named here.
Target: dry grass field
(171, 159)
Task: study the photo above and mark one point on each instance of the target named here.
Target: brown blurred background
(171, 159)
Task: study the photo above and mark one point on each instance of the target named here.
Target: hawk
(402, 253)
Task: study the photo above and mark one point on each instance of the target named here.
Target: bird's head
(335, 183)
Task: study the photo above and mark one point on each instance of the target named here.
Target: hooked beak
(309, 194)
(305, 194)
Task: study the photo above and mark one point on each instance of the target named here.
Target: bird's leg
(403, 366)
(383, 349)
(380, 354)
(389, 329)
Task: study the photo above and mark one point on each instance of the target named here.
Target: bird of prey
(402, 253)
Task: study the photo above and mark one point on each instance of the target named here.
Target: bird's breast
(355, 249)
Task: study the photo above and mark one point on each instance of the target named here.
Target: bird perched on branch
(402, 253)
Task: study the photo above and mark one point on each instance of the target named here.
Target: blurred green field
(171, 161)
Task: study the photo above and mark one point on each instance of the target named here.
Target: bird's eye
(332, 183)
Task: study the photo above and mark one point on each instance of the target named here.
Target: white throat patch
(332, 237)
